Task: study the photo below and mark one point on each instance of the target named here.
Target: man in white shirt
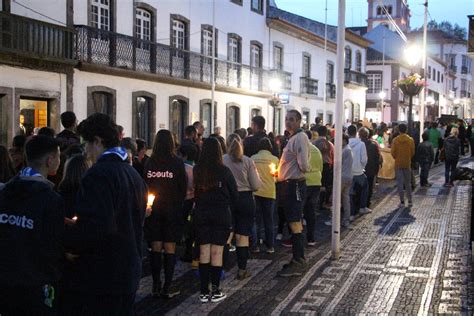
(359, 180)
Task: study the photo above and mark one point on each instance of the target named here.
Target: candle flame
(273, 169)
(74, 218)
(151, 199)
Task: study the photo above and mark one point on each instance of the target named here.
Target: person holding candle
(165, 176)
(248, 181)
(74, 170)
(31, 228)
(266, 164)
(215, 193)
(104, 245)
(294, 163)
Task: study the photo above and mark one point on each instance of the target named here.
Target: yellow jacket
(262, 160)
(403, 150)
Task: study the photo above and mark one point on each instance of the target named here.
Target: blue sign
(284, 98)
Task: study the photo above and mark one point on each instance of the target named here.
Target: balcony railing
(465, 94)
(464, 70)
(330, 90)
(309, 86)
(121, 51)
(36, 39)
(453, 68)
(355, 77)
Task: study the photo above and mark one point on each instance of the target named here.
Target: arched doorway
(179, 115)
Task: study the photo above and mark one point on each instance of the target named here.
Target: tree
(445, 26)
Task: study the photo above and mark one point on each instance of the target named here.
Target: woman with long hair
(74, 170)
(248, 181)
(215, 193)
(165, 176)
(6, 165)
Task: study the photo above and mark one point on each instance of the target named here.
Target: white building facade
(148, 65)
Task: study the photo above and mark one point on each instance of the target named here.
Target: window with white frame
(257, 5)
(255, 56)
(348, 58)
(234, 53)
(207, 42)
(143, 24)
(358, 61)
(278, 57)
(306, 66)
(179, 34)
(330, 73)
(100, 14)
(374, 82)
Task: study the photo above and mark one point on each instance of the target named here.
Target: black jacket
(140, 165)
(108, 233)
(374, 158)
(31, 230)
(251, 144)
(167, 181)
(424, 153)
(67, 138)
(225, 195)
(452, 148)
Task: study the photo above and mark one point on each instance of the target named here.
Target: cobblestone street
(394, 261)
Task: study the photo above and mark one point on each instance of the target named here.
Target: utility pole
(336, 192)
(325, 89)
(423, 66)
(213, 66)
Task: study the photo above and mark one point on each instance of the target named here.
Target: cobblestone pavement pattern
(395, 261)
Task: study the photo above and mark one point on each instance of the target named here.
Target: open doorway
(34, 114)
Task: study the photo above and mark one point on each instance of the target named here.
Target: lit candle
(273, 169)
(74, 218)
(151, 199)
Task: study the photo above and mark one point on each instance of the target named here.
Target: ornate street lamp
(413, 84)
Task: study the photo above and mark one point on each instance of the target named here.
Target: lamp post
(275, 85)
(412, 56)
(382, 96)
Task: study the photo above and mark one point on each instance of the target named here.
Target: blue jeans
(424, 172)
(449, 170)
(265, 208)
(310, 208)
(360, 189)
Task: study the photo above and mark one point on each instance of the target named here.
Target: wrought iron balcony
(355, 78)
(330, 90)
(111, 49)
(465, 94)
(464, 70)
(35, 39)
(453, 68)
(309, 86)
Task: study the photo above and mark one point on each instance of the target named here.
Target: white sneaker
(328, 223)
(352, 218)
(279, 237)
(365, 210)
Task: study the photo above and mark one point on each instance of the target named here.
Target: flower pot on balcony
(410, 89)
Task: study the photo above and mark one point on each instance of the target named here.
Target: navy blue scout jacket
(108, 233)
(31, 228)
(167, 180)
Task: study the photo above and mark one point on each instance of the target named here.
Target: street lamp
(413, 55)
(382, 96)
(275, 85)
(456, 104)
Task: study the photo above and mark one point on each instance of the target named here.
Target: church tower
(398, 9)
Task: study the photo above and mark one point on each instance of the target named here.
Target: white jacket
(359, 156)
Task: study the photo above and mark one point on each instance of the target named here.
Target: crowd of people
(76, 207)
